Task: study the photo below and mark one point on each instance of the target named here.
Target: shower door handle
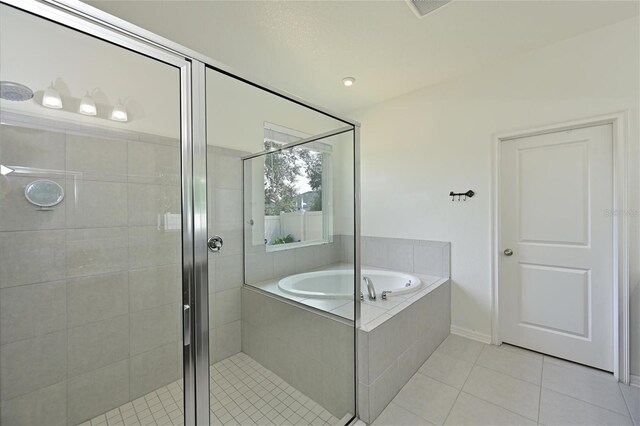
(186, 324)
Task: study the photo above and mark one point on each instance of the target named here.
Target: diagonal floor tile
(513, 394)
(395, 415)
(511, 363)
(559, 409)
(447, 369)
(465, 349)
(427, 398)
(521, 351)
(469, 410)
(632, 398)
(594, 387)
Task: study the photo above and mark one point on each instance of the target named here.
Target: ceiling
(307, 47)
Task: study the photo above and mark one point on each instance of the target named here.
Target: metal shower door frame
(192, 65)
(195, 324)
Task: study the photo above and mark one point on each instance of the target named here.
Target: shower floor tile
(243, 392)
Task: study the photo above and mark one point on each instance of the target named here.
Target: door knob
(215, 244)
(508, 252)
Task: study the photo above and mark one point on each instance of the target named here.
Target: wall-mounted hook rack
(469, 194)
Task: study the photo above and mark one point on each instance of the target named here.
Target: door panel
(90, 286)
(556, 290)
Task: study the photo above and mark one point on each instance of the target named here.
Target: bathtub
(338, 283)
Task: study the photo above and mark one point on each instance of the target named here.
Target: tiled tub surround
(396, 336)
(90, 290)
(312, 351)
(429, 260)
(417, 256)
(393, 346)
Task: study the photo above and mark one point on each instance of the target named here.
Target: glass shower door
(90, 229)
(275, 213)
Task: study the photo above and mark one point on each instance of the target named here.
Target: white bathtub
(338, 284)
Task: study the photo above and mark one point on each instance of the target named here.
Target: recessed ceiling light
(348, 81)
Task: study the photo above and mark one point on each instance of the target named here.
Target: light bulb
(51, 98)
(87, 106)
(119, 113)
(348, 81)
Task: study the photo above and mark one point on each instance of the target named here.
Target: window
(297, 191)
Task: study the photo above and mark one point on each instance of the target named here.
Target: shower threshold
(243, 392)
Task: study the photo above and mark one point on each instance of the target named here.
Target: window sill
(289, 246)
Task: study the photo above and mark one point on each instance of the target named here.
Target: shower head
(15, 91)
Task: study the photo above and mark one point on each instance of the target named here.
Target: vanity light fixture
(119, 112)
(51, 98)
(87, 105)
(348, 81)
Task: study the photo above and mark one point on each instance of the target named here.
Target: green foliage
(281, 169)
(284, 240)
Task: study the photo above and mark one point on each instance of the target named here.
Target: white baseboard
(634, 381)
(470, 334)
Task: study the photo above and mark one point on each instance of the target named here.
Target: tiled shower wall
(89, 290)
(224, 183)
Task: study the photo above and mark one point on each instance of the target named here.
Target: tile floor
(466, 382)
(243, 392)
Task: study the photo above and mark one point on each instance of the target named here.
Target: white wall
(237, 112)
(418, 147)
(36, 52)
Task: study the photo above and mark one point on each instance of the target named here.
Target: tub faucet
(370, 288)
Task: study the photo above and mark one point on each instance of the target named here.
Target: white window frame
(327, 189)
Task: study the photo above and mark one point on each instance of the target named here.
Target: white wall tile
(229, 272)
(21, 146)
(45, 407)
(96, 251)
(153, 163)
(149, 246)
(156, 286)
(31, 257)
(400, 257)
(32, 310)
(154, 369)
(97, 297)
(147, 204)
(95, 204)
(18, 214)
(226, 307)
(31, 364)
(98, 391)
(154, 327)
(97, 344)
(228, 171)
(428, 260)
(97, 158)
(226, 340)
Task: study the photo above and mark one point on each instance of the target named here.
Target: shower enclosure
(153, 207)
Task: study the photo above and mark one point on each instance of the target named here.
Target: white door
(556, 288)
